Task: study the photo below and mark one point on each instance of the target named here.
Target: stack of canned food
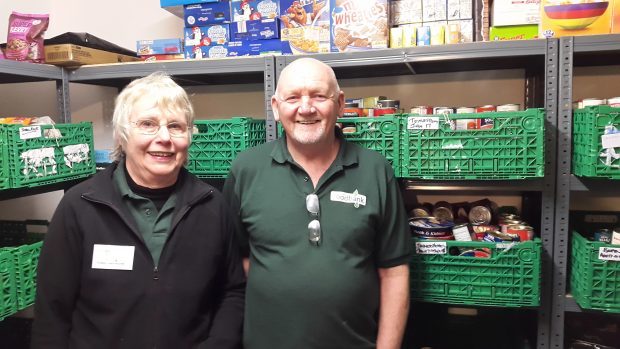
(371, 106)
(468, 221)
(609, 236)
(589, 102)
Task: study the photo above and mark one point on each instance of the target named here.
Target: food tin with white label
(614, 102)
(443, 110)
(465, 110)
(486, 108)
(525, 232)
(589, 102)
(422, 110)
(508, 107)
(388, 103)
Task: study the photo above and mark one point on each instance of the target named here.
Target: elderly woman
(142, 255)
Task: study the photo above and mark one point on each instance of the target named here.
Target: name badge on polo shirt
(113, 257)
(354, 198)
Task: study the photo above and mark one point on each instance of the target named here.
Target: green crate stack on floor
(217, 143)
(595, 280)
(45, 154)
(511, 147)
(382, 134)
(596, 142)
(509, 277)
(8, 292)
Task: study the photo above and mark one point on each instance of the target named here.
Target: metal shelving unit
(598, 50)
(539, 59)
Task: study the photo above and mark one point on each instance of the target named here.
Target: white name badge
(113, 257)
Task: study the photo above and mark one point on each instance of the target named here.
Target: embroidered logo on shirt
(354, 198)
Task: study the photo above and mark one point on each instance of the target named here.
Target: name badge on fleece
(113, 257)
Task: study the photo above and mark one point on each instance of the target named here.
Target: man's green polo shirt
(327, 296)
(153, 226)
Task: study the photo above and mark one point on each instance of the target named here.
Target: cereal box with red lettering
(304, 26)
(359, 25)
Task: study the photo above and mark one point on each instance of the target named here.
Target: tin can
(466, 124)
(495, 236)
(443, 110)
(443, 211)
(465, 110)
(508, 216)
(383, 111)
(525, 232)
(614, 102)
(503, 225)
(603, 235)
(422, 110)
(352, 110)
(508, 107)
(486, 108)
(480, 215)
(388, 103)
(486, 123)
(588, 102)
(461, 232)
(424, 35)
(423, 210)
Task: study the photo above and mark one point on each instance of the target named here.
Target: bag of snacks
(25, 37)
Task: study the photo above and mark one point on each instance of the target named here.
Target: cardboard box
(199, 52)
(69, 55)
(197, 15)
(434, 10)
(214, 34)
(151, 58)
(515, 12)
(261, 29)
(615, 26)
(514, 32)
(159, 47)
(405, 11)
(359, 25)
(247, 10)
(254, 48)
(575, 19)
(304, 26)
(460, 9)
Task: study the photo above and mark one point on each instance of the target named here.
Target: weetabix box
(261, 29)
(305, 26)
(358, 25)
(215, 34)
(197, 15)
(249, 10)
(581, 17)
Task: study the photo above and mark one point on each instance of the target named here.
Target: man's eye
(320, 98)
(292, 99)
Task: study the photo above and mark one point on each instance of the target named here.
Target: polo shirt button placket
(306, 179)
(147, 211)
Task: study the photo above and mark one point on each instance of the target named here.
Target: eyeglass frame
(135, 125)
(314, 237)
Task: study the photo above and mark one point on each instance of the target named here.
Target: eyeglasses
(151, 127)
(314, 227)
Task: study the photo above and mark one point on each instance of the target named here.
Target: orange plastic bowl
(575, 16)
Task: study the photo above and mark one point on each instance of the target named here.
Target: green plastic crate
(381, 134)
(218, 142)
(47, 154)
(509, 278)
(595, 283)
(5, 181)
(513, 148)
(8, 293)
(590, 159)
(26, 258)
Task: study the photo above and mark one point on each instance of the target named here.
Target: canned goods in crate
(503, 225)
(481, 229)
(443, 110)
(383, 111)
(477, 252)
(422, 110)
(496, 236)
(486, 108)
(613, 102)
(443, 211)
(485, 123)
(423, 210)
(508, 107)
(525, 232)
(388, 103)
(430, 227)
(461, 232)
(466, 124)
(480, 215)
(352, 110)
(588, 102)
(465, 110)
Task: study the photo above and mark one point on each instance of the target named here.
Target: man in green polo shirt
(323, 228)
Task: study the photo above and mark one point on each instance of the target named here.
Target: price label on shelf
(423, 123)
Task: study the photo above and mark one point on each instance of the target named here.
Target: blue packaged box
(247, 10)
(254, 48)
(159, 47)
(262, 29)
(199, 52)
(215, 34)
(168, 3)
(206, 13)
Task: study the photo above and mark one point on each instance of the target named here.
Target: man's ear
(274, 108)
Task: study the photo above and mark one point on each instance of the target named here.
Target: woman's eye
(147, 123)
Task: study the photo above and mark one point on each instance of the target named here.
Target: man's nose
(306, 105)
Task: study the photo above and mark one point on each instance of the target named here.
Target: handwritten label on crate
(433, 247)
(610, 140)
(29, 132)
(609, 253)
(423, 123)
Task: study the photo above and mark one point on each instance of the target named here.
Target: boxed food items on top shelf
(159, 47)
(76, 49)
(35, 155)
(596, 141)
(203, 13)
(489, 145)
(574, 18)
(217, 143)
(514, 32)
(246, 10)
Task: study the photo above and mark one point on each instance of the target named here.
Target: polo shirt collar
(347, 156)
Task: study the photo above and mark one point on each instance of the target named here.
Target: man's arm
(394, 306)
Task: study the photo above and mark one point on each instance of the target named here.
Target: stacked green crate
(493, 145)
(8, 293)
(596, 142)
(5, 181)
(217, 143)
(595, 274)
(47, 154)
(381, 134)
(508, 277)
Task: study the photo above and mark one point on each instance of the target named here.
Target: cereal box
(260, 29)
(575, 18)
(359, 25)
(159, 47)
(216, 34)
(247, 10)
(254, 48)
(405, 11)
(199, 52)
(197, 15)
(305, 26)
